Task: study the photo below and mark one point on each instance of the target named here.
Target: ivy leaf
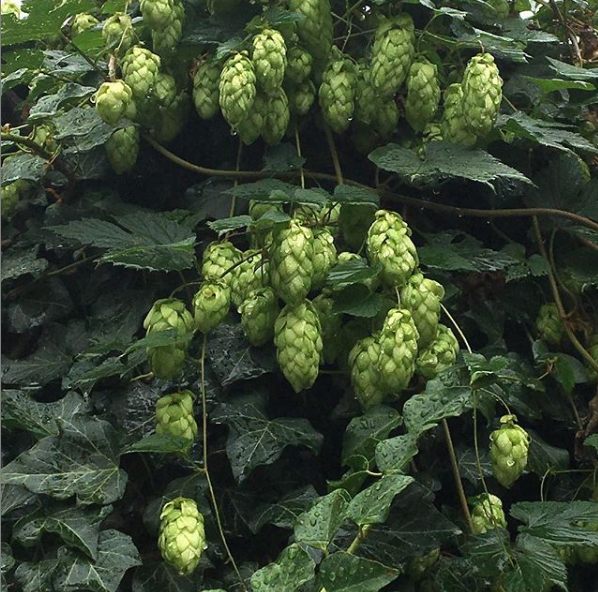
(152, 576)
(344, 572)
(50, 105)
(17, 262)
(542, 457)
(23, 166)
(160, 444)
(36, 576)
(116, 555)
(392, 455)
(254, 439)
(292, 569)
(317, 526)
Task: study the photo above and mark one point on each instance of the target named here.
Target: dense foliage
(300, 295)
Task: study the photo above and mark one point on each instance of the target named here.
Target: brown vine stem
(28, 143)
(204, 425)
(570, 34)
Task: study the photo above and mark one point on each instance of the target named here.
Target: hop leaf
(174, 415)
(508, 450)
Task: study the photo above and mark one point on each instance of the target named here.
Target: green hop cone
(291, 262)
(237, 89)
(389, 246)
(298, 341)
(423, 93)
(324, 257)
(365, 378)
(315, 29)
(171, 118)
(156, 13)
(81, 22)
(166, 39)
(11, 195)
(118, 31)
(166, 314)
(44, 136)
(140, 68)
(269, 57)
(398, 350)
(337, 92)
(182, 537)
(453, 126)
(122, 149)
(205, 89)
(355, 221)
(592, 349)
(251, 128)
(211, 304)
(10, 7)
(217, 259)
(422, 296)
(299, 64)
(549, 324)
(113, 100)
(418, 566)
(482, 94)
(392, 54)
(487, 513)
(174, 415)
(301, 97)
(508, 451)
(432, 133)
(276, 118)
(250, 275)
(439, 355)
(331, 324)
(366, 99)
(258, 315)
(386, 120)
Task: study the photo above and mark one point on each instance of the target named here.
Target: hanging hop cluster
(174, 415)
(549, 324)
(487, 513)
(509, 446)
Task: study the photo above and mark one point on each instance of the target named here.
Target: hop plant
(398, 350)
(366, 99)
(258, 208)
(269, 58)
(251, 128)
(182, 537)
(169, 313)
(140, 68)
(171, 110)
(114, 100)
(324, 257)
(81, 22)
(299, 64)
(298, 341)
(487, 513)
(423, 94)
(122, 149)
(337, 92)
(331, 324)
(118, 32)
(389, 246)
(301, 97)
(482, 94)
(386, 120)
(166, 39)
(453, 126)
(44, 136)
(205, 89)
(315, 29)
(259, 312)
(291, 262)
(250, 275)
(217, 259)
(439, 355)
(211, 304)
(418, 566)
(276, 117)
(174, 415)
(237, 89)
(508, 450)
(367, 382)
(12, 195)
(156, 13)
(549, 324)
(422, 296)
(392, 54)
(355, 221)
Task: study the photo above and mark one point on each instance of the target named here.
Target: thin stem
(204, 424)
(298, 145)
(233, 203)
(359, 538)
(455, 324)
(28, 142)
(334, 153)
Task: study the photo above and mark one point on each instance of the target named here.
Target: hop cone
(249, 276)
(169, 313)
(44, 136)
(174, 415)
(398, 349)
(258, 208)
(301, 97)
(252, 126)
(118, 31)
(549, 324)
(487, 513)
(299, 64)
(592, 349)
(82, 22)
(171, 119)
(355, 220)
(432, 133)
(122, 149)
(205, 89)
(422, 296)
(298, 341)
(140, 68)
(366, 98)
(386, 120)
(331, 324)
(258, 315)
(315, 29)
(482, 94)
(291, 263)
(11, 195)
(453, 125)
(423, 94)
(182, 536)
(418, 566)
(390, 247)
(324, 257)
(211, 305)
(276, 118)
(10, 7)
(269, 58)
(113, 99)
(439, 355)
(365, 378)
(392, 54)
(237, 89)
(218, 258)
(337, 92)
(166, 39)
(156, 13)
(508, 450)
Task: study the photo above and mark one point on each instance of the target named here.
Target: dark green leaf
(160, 444)
(17, 262)
(83, 128)
(572, 72)
(344, 572)
(542, 457)
(36, 576)
(50, 105)
(227, 224)
(357, 300)
(352, 272)
(292, 569)
(348, 194)
(392, 455)
(23, 166)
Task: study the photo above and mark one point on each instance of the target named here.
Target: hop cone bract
(237, 89)
(439, 355)
(315, 29)
(211, 304)
(423, 93)
(250, 275)
(301, 97)
(112, 101)
(269, 58)
(453, 125)
(122, 149)
(324, 257)
(299, 64)
(365, 378)
(258, 315)
(337, 92)
(174, 415)
(218, 258)
(508, 450)
(276, 119)
(487, 513)
(118, 31)
(205, 89)
(331, 324)
(549, 324)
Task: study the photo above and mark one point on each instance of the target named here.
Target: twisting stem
(204, 425)
(333, 152)
(455, 324)
(27, 142)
